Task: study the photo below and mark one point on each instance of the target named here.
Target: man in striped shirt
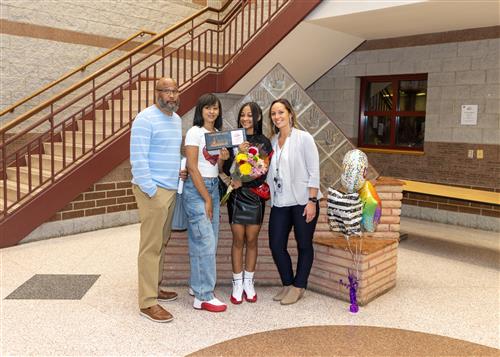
(155, 156)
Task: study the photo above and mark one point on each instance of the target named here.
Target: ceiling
(378, 19)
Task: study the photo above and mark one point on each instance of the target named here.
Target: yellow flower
(241, 157)
(245, 169)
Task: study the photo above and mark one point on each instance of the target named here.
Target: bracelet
(313, 199)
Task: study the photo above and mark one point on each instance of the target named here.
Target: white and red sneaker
(249, 290)
(214, 305)
(237, 294)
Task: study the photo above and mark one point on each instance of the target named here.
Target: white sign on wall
(469, 114)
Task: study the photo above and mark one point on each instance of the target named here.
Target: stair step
(100, 114)
(133, 96)
(46, 162)
(99, 132)
(24, 175)
(58, 149)
(12, 190)
(144, 91)
(126, 102)
(88, 137)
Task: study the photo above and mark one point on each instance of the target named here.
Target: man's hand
(183, 174)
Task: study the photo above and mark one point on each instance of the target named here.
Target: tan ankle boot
(282, 293)
(293, 295)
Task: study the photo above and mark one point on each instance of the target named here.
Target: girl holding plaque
(201, 202)
(246, 201)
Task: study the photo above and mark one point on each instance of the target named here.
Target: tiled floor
(54, 287)
(448, 284)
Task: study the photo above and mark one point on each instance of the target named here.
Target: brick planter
(329, 254)
(376, 269)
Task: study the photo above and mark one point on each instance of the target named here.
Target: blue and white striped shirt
(155, 144)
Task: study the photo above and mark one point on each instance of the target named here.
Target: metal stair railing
(92, 114)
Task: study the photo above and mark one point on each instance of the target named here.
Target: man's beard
(168, 106)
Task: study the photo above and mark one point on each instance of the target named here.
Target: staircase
(53, 152)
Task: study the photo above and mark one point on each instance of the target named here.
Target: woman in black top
(245, 207)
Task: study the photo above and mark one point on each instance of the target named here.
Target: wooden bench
(460, 193)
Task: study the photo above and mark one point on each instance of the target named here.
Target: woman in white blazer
(293, 179)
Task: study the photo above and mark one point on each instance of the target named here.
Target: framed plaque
(224, 139)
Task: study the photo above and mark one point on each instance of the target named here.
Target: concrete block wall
(108, 17)
(41, 43)
(460, 71)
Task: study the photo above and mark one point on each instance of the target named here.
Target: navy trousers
(281, 221)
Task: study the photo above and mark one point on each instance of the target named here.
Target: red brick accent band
(451, 204)
(100, 198)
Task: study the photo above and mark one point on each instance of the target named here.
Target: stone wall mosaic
(331, 142)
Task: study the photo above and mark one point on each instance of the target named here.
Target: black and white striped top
(344, 212)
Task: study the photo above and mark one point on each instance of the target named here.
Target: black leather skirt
(245, 207)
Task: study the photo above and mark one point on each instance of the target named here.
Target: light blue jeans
(203, 236)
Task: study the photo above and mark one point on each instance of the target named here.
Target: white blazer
(304, 165)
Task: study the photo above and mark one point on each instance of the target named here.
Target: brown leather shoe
(167, 295)
(157, 313)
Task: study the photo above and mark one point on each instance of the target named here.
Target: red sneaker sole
(211, 308)
(254, 299)
(234, 301)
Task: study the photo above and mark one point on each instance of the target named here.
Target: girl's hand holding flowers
(250, 163)
(244, 146)
(235, 184)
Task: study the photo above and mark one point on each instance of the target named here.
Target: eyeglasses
(168, 91)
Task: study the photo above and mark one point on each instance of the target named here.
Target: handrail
(98, 117)
(460, 193)
(79, 69)
(86, 80)
(228, 15)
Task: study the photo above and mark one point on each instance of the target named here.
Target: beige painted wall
(294, 53)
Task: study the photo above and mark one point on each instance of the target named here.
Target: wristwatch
(313, 199)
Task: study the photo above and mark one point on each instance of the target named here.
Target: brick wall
(100, 198)
(111, 194)
(376, 270)
(450, 204)
(444, 163)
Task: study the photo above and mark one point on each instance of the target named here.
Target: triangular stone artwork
(331, 142)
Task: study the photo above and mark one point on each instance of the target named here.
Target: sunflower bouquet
(247, 167)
